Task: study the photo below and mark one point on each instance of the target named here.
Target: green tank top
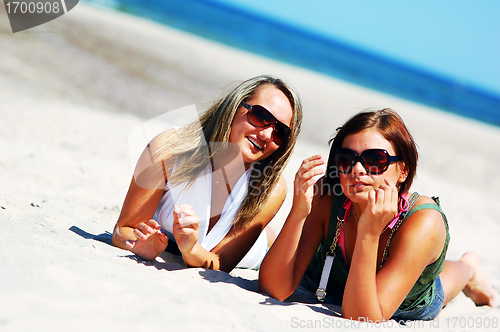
(424, 287)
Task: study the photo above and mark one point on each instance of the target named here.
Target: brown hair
(391, 126)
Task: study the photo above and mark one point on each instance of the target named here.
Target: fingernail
(164, 239)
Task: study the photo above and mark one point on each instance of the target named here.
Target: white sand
(67, 92)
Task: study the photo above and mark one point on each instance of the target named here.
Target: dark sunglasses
(258, 116)
(374, 161)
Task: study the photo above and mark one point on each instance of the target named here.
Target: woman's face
(257, 143)
(359, 182)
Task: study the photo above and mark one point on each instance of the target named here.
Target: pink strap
(347, 208)
(403, 207)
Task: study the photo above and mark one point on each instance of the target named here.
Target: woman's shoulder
(424, 205)
(423, 228)
(272, 205)
(159, 142)
(278, 194)
(422, 199)
(156, 154)
(425, 218)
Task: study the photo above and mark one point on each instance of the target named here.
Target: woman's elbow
(267, 287)
(117, 238)
(278, 296)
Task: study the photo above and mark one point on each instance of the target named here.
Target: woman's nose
(266, 134)
(358, 168)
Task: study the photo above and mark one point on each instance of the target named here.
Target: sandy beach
(71, 93)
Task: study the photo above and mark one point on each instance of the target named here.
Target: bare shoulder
(425, 227)
(427, 218)
(158, 143)
(281, 188)
(424, 200)
(276, 197)
(151, 171)
(271, 206)
(428, 215)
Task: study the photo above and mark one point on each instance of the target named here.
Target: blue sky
(459, 39)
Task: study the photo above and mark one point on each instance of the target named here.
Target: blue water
(261, 35)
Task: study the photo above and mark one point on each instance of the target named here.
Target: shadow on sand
(299, 297)
(171, 260)
(168, 260)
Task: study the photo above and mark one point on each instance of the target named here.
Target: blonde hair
(214, 125)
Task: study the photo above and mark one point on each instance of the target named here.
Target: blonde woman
(214, 200)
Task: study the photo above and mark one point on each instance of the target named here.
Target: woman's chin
(358, 196)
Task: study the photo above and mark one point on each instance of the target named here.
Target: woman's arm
(135, 230)
(298, 240)
(369, 295)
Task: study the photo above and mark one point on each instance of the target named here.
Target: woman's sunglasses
(375, 161)
(258, 116)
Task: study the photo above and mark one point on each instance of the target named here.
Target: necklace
(355, 216)
(357, 221)
(215, 176)
(225, 182)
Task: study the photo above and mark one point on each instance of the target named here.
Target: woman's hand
(150, 241)
(305, 179)
(186, 227)
(381, 209)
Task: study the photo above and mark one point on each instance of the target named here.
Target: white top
(199, 196)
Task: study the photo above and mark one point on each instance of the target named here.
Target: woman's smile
(258, 146)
